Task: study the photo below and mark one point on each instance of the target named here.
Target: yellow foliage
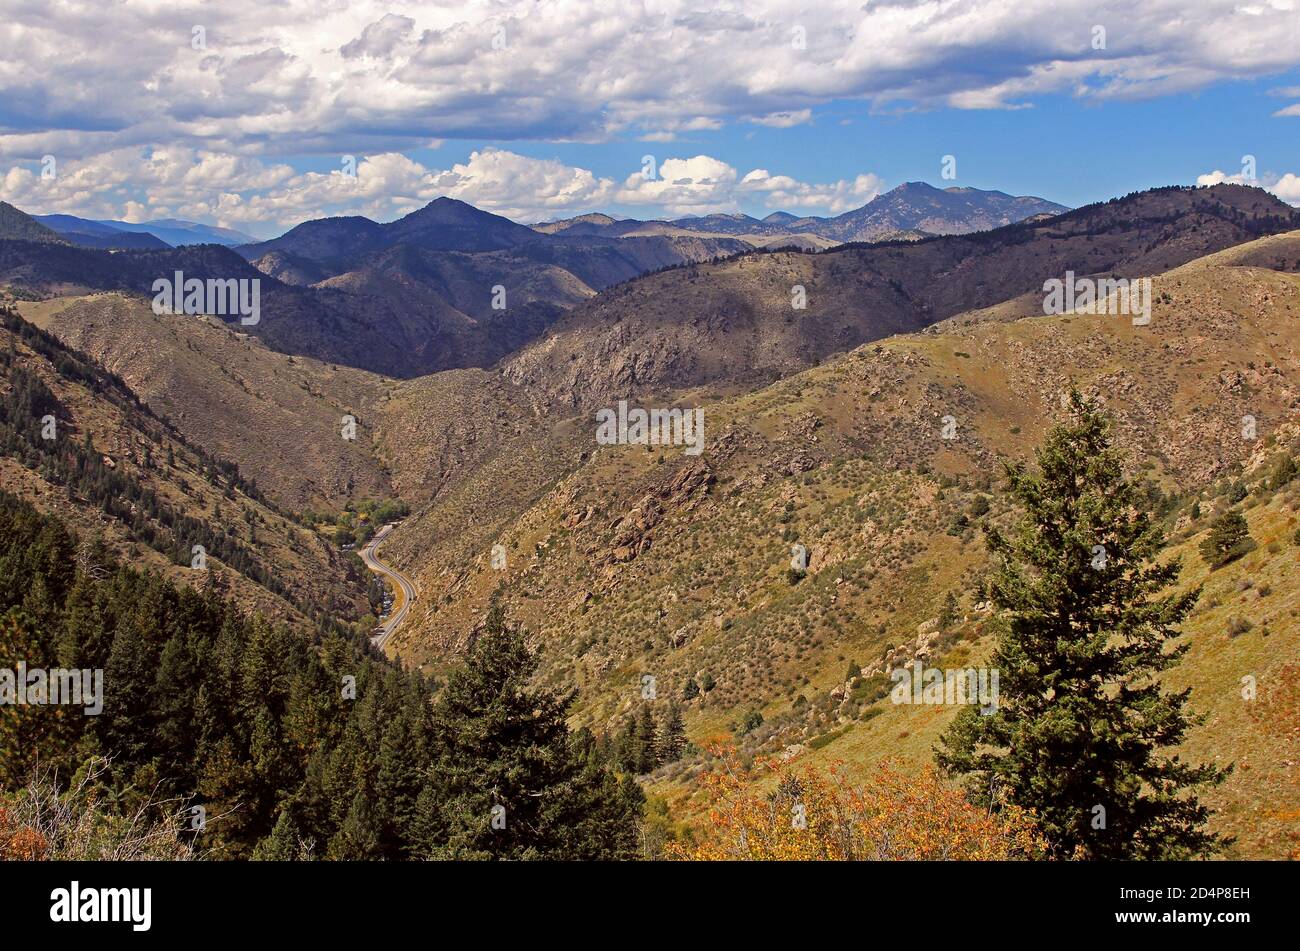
(813, 816)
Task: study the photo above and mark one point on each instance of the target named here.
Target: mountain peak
(450, 223)
(919, 207)
(450, 211)
(921, 187)
(19, 226)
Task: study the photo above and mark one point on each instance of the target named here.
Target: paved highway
(404, 590)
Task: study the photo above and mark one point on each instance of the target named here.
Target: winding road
(403, 587)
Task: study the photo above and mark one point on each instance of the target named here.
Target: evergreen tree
(507, 780)
(671, 742)
(358, 836)
(399, 776)
(29, 734)
(1228, 540)
(1080, 722)
(644, 758)
(948, 613)
(623, 748)
(284, 844)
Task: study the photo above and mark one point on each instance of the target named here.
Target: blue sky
(1062, 148)
(242, 114)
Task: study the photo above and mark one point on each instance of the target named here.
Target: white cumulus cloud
(1285, 187)
(374, 76)
(705, 185)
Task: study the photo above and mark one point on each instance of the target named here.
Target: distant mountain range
(408, 297)
(160, 233)
(451, 286)
(912, 210)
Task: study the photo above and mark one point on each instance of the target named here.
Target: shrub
(891, 817)
(1284, 470)
(1228, 540)
(1238, 626)
(826, 739)
(749, 722)
(43, 821)
(871, 689)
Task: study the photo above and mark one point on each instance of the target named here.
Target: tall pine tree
(671, 742)
(644, 737)
(508, 780)
(1087, 622)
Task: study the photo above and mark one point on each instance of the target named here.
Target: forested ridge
(266, 740)
(294, 745)
(26, 410)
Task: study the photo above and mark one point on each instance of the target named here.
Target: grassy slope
(278, 417)
(313, 572)
(1260, 802)
(831, 457)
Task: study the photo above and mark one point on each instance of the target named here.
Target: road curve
(403, 583)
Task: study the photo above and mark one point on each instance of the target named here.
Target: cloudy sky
(256, 114)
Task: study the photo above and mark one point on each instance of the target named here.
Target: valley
(404, 590)
(831, 528)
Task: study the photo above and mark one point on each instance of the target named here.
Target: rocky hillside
(639, 561)
(738, 322)
(279, 417)
(75, 441)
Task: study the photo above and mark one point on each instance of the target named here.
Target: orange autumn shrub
(18, 842)
(815, 816)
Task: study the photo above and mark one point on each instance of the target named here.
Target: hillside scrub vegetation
(1081, 733)
(293, 746)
